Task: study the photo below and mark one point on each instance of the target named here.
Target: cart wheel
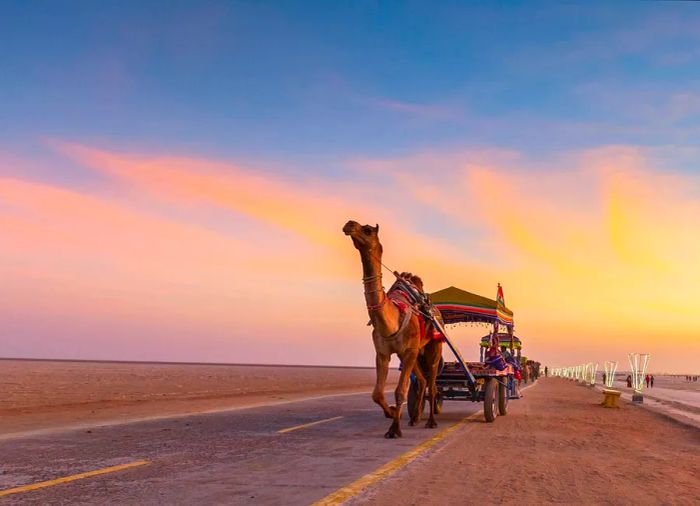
(490, 399)
(503, 398)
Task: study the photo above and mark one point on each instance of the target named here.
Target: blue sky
(314, 82)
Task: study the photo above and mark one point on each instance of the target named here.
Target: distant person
(646, 379)
(629, 381)
(604, 377)
(651, 380)
(546, 371)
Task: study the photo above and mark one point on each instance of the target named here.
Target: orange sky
(186, 258)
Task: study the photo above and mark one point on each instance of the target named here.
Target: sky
(174, 176)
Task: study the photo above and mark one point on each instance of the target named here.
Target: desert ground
(44, 395)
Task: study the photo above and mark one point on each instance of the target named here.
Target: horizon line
(174, 362)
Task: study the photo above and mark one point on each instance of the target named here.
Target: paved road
(235, 457)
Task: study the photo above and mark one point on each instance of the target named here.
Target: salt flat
(40, 395)
(668, 388)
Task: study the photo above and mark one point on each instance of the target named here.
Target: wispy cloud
(313, 209)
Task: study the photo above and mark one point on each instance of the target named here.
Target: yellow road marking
(297, 427)
(343, 494)
(74, 477)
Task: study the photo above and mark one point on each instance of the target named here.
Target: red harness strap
(400, 300)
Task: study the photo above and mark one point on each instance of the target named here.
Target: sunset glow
(192, 246)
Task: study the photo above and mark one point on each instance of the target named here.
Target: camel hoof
(393, 432)
(412, 423)
(431, 424)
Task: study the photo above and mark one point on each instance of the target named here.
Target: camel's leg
(420, 394)
(431, 423)
(382, 363)
(432, 354)
(408, 359)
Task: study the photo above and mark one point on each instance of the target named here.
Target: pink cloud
(314, 209)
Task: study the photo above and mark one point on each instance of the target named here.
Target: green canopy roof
(503, 339)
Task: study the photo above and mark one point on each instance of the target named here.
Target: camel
(395, 332)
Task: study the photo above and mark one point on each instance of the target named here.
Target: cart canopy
(460, 306)
(503, 340)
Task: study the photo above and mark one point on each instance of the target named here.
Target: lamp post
(593, 370)
(638, 365)
(610, 368)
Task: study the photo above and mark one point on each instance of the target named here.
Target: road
(235, 457)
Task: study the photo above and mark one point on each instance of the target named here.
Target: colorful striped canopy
(460, 306)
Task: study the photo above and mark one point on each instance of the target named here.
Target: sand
(47, 395)
(557, 446)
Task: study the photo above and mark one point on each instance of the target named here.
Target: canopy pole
(512, 343)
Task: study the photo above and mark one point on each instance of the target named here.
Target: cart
(474, 381)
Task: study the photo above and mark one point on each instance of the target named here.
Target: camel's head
(364, 237)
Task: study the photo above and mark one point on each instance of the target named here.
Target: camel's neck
(383, 315)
